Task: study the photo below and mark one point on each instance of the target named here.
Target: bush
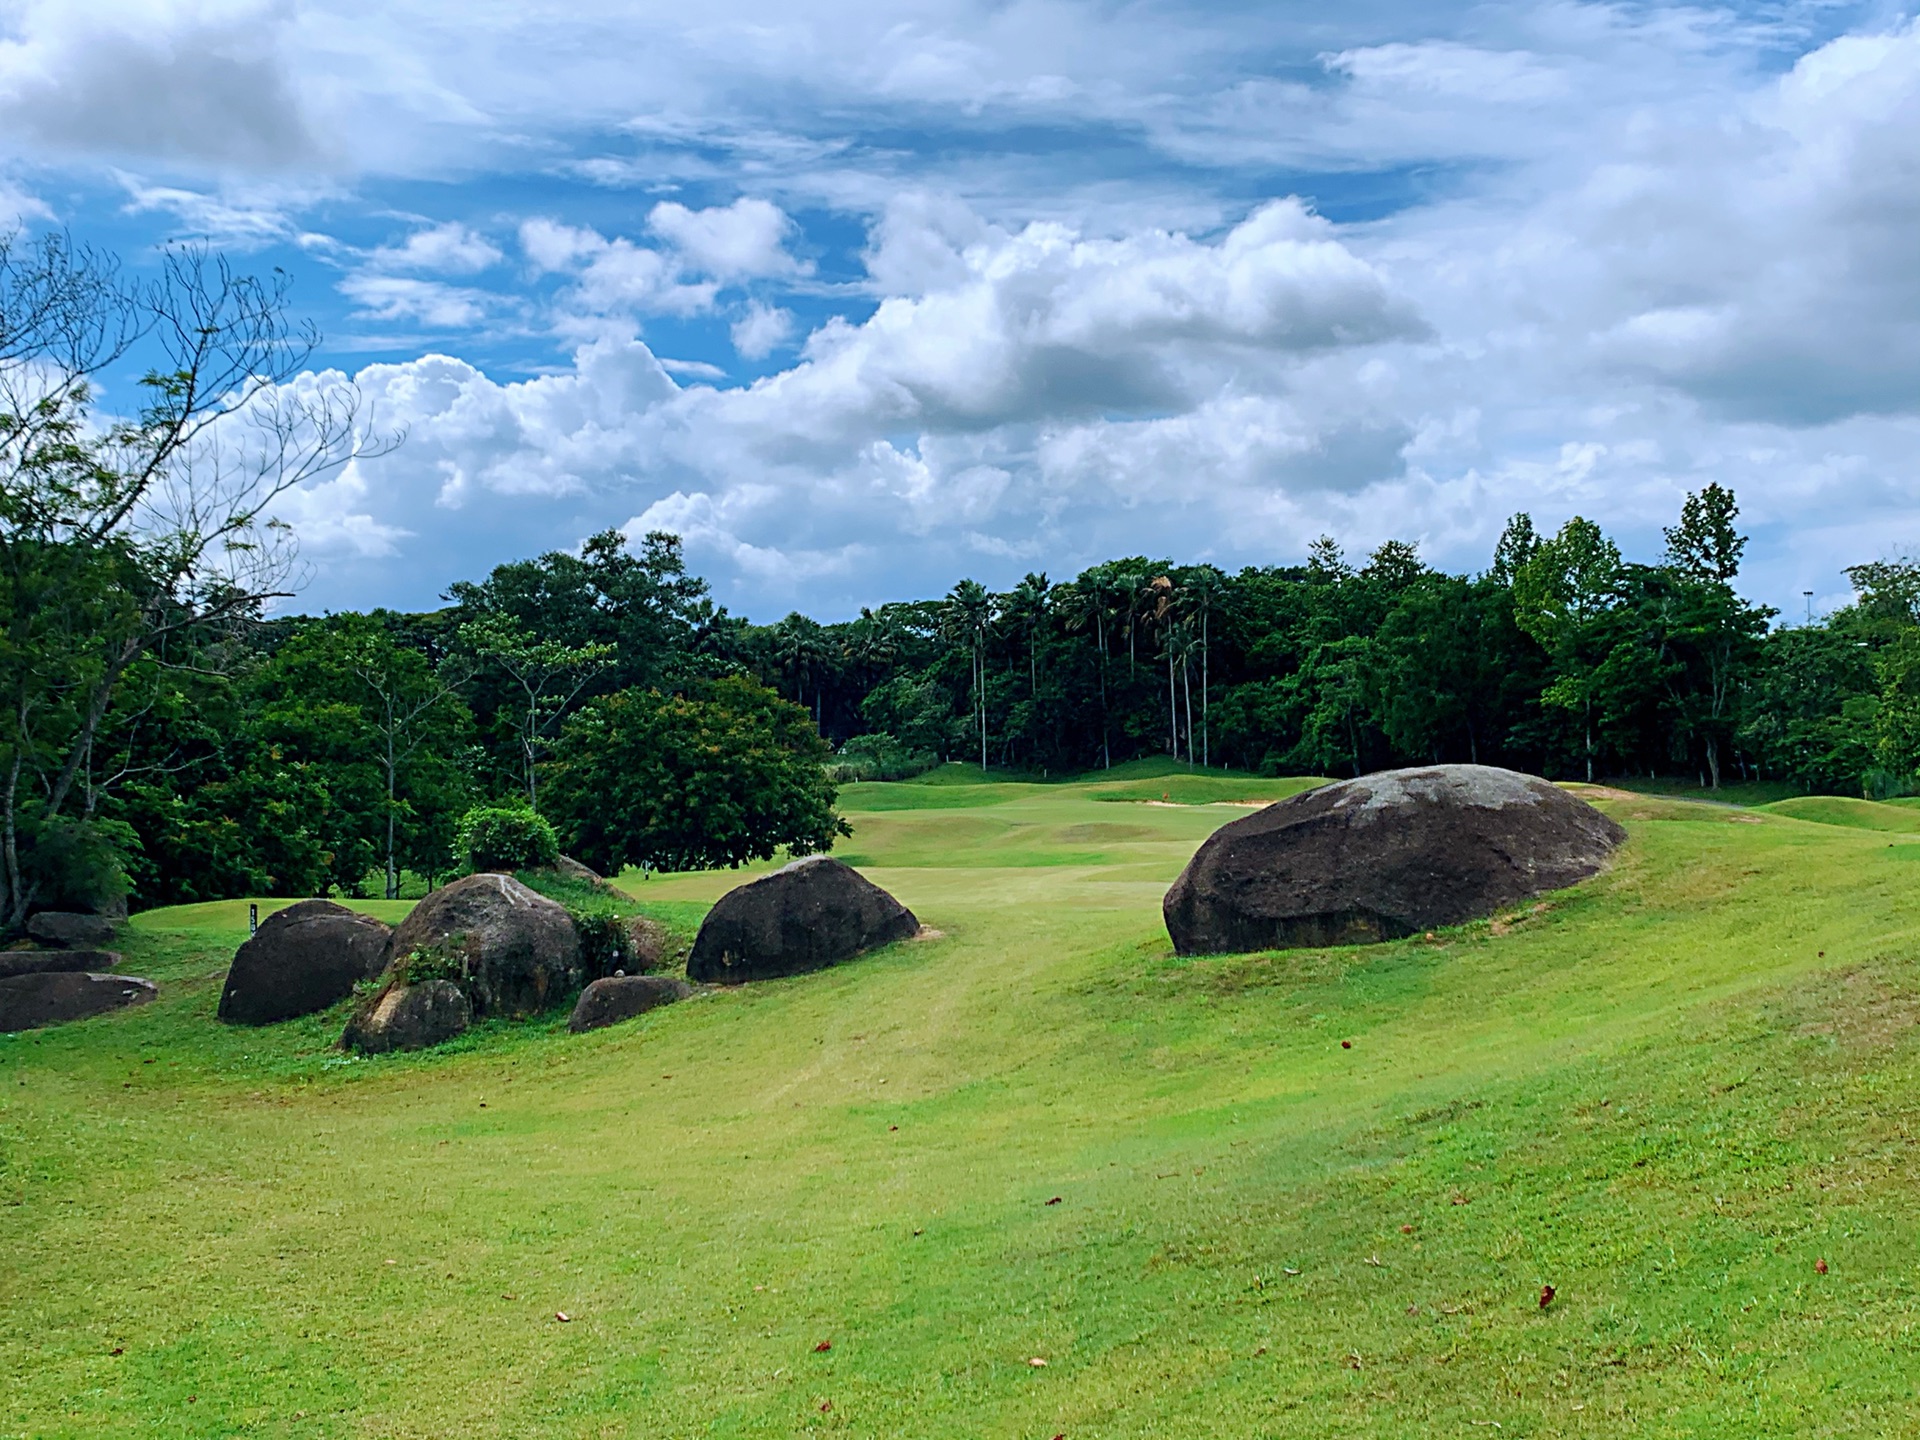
(79, 864)
(506, 838)
(878, 757)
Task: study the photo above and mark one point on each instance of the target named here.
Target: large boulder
(520, 951)
(409, 1017)
(46, 962)
(70, 930)
(621, 997)
(29, 1002)
(1384, 856)
(804, 916)
(302, 959)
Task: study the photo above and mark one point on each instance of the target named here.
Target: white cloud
(400, 297)
(762, 330)
(744, 240)
(446, 249)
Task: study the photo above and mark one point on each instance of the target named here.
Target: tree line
(165, 734)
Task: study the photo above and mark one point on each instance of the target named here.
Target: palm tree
(967, 619)
(1160, 603)
(800, 649)
(1088, 600)
(1207, 588)
(1028, 606)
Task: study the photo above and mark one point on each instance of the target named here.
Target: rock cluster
(1383, 856)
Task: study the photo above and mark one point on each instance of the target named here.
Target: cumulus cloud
(762, 330)
(744, 240)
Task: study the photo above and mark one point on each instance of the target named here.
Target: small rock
(409, 1017)
(621, 997)
(29, 1002)
(67, 930)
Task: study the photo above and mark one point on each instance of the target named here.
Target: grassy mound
(1855, 814)
(867, 1200)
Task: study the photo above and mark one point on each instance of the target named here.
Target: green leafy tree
(726, 773)
(1561, 597)
(548, 677)
(125, 537)
(383, 733)
(1705, 545)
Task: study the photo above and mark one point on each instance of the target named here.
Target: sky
(861, 299)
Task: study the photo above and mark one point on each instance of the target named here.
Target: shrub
(878, 757)
(79, 864)
(443, 960)
(506, 838)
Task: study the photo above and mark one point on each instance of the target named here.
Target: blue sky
(860, 299)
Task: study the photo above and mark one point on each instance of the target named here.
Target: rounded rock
(1384, 856)
(301, 960)
(522, 953)
(804, 916)
(621, 997)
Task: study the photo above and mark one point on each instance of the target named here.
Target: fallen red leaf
(823, 1347)
(1346, 1044)
(1820, 1267)
(1406, 1229)
(1054, 1201)
(825, 1406)
(1546, 1296)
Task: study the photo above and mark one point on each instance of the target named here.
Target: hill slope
(1667, 1094)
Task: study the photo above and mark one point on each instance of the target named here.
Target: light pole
(1809, 595)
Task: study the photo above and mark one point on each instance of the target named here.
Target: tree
(1704, 545)
(383, 732)
(726, 773)
(124, 538)
(967, 620)
(549, 675)
(1560, 596)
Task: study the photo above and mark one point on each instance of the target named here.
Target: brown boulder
(301, 960)
(572, 869)
(1384, 856)
(47, 962)
(804, 916)
(520, 950)
(29, 1002)
(621, 997)
(69, 930)
(409, 1017)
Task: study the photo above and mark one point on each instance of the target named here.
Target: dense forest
(168, 733)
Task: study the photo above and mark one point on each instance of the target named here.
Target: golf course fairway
(1034, 1177)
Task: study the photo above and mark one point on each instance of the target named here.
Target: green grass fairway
(866, 1202)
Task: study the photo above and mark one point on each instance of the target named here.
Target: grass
(1856, 814)
(1667, 1093)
